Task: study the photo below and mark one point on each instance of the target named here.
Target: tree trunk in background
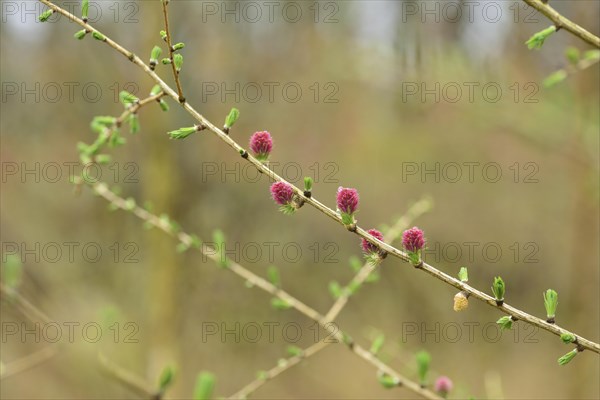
(159, 186)
(584, 257)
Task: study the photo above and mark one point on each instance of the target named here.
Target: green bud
(377, 344)
(116, 139)
(262, 375)
(45, 15)
(555, 78)
(505, 322)
(163, 35)
(182, 247)
(294, 351)
(335, 289)
(498, 289)
(98, 36)
(130, 204)
(85, 6)
(178, 61)
(355, 263)
(348, 219)
(182, 133)
(387, 381)
(163, 105)
(80, 34)
(591, 55)
(423, 361)
(233, 116)
(166, 378)
(196, 242)
(568, 338)
(156, 89)
(347, 339)
(572, 54)
(166, 61)
(12, 271)
(219, 239)
(273, 276)
(205, 384)
(537, 40)
(83, 148)
(134, 124)
(178, 46)
(103, 158)
(100, 123)
(308, 183)
(280, 304)
(155, 54)
(567, 357)
(127, 98)
(550, 303)
(463, 274)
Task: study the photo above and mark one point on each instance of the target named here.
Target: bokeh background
(355, 122)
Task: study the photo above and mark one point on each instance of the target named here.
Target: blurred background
(398, 99)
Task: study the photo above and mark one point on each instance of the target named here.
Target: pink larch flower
(261, 144)
(368, 247)
(443, 385)
(347, 200)
(282, 193)
(413, 239)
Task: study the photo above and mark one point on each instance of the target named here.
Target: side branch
(165, 11)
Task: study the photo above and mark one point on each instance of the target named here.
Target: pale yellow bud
(461, 301)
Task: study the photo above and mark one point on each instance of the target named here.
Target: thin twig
(564, 23)
(27, 362)
(127, 378)
(30, 311)
(288, 363)
(507, 309)
(165, 9)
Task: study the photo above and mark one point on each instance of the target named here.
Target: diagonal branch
(391, 235)
(36, 315)
(101, 189)
(477, 294)
(277, 370)
(361, 276)
(27, 362)
(564, 23)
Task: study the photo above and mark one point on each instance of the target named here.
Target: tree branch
(564, 23)
(119, 202)
(507, 309)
